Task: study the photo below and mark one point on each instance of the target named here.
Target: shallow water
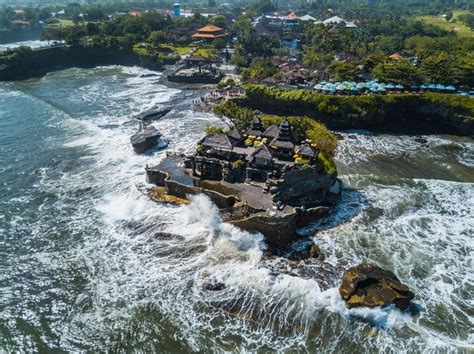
(84, 265)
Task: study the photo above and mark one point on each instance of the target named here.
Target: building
(306, 18)
(210, 32)
(177, 9)
(291, 21)
(334, 21)
(291, 41)
(257, 154)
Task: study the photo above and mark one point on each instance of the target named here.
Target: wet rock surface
(370, 286)
(153, 114)
(213, 286)
(146, 138)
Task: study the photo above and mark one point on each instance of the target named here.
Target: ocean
(87, 262)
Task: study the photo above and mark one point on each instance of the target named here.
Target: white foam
(420, 229)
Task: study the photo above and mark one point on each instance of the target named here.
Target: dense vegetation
(343, 106)
(303, 128)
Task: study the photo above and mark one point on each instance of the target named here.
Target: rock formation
(146, 138)
(369, 285)
(153, 114)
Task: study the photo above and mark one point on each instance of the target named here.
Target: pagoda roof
(263, 152)
(210, 29)
(256, 128)
(271, 132)
(284, 140)
(282, 144)
(306, 150)
(217, 141)
(235, 134)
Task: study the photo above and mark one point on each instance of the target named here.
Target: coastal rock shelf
(271, 188)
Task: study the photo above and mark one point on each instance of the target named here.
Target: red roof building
(210, 32)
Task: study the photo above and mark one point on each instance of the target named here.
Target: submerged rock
(421, 140)
(369, 285)
(213, 286)
(146, 138)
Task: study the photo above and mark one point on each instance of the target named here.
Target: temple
(262, 179)
(261, 157)
(210, 32)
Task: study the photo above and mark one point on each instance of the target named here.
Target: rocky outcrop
(39, 62)
(153, 114)
(304, 188)
(403, 113)
(146, 138)
(370, 286)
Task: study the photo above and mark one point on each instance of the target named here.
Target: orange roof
(210, 36)
(396, 56)
(292, 16)
(210, 28)
(210, 32)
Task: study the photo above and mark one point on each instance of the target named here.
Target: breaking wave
(100, 266)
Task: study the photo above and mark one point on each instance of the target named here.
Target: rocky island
(262, 179)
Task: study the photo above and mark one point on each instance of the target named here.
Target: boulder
(153, 114)
(369, 285)
(146, 138)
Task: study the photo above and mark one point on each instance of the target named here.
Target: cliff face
(39, 62)
(18, 35)
(305, 188)
(430, 112)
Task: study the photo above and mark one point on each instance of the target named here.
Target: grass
(177, 50)
(461, 29)
(207, 52)
(62, 24)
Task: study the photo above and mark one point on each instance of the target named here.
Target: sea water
(89, 263)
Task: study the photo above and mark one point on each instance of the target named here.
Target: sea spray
(83, 266)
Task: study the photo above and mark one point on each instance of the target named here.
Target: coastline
(40, 62)
(426, 113)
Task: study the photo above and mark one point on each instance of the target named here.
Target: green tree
(219, 43)
(437, 68)
(340, 71)
(401, 72)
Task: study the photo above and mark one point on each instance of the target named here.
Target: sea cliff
(25, 63)
(430, 112)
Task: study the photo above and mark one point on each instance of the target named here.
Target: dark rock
(165, 236)
(369, 285)
(315, 252)
(421, 140)
(213, 286)
(308, 251)
(153, 114)
(338, 136)
(352, 136)
(146, 138)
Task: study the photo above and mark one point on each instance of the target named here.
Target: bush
(240, 117)
(212, 129)
(238, 164)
